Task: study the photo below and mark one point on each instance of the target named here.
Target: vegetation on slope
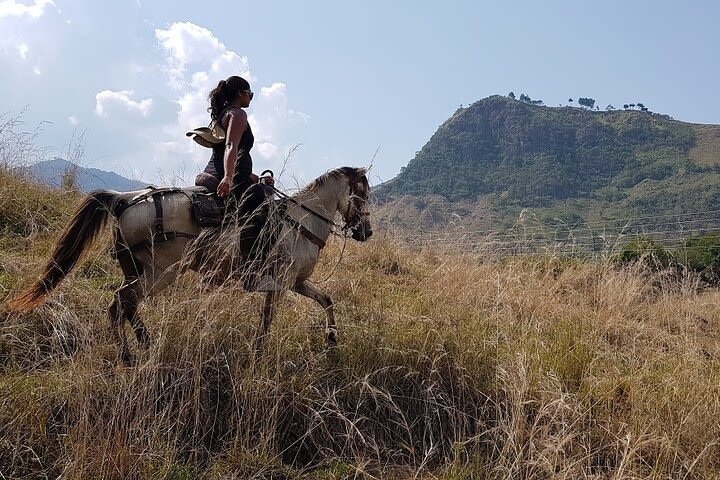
(517, 155)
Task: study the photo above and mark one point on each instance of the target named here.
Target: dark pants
(246, 207)
(251, 198)
(251, 212)
(208, 181)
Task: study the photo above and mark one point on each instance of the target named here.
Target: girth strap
(305, 232)
(157, 200)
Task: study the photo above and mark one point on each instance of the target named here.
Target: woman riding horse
(229, 170)
(152, 260)
(230, 167)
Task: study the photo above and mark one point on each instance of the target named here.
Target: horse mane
(348, 172)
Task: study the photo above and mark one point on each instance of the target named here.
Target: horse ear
(361, 171)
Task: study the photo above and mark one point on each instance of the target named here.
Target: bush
(701, 253)
(28, 209)
(646, 251)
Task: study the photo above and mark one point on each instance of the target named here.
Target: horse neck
(322, 200)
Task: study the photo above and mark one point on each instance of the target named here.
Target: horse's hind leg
(307, 289)
(271, 300)
(130, 299)
(125, 307)
(117, 323)
(127, 299)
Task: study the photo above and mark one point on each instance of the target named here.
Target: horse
(157, 238)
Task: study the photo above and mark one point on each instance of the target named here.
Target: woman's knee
(208, 181)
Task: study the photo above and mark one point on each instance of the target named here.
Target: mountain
(498, 157)
(50, 172)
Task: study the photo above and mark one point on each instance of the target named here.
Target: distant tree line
(525, 99)
(584, 102)
(638, 105)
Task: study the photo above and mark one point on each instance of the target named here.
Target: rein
(304, 207)
(342, 254)
(310, 210)
(311, 236)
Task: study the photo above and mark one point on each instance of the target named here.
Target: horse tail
(77, 237)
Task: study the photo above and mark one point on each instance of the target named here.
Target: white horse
(156, 239)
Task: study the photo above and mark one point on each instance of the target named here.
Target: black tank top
(243, 163)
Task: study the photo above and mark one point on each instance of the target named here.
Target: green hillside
(570, 162)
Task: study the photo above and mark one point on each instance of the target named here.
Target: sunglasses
(249, 92)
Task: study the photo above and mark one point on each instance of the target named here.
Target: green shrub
(646, 251)
(701, 252)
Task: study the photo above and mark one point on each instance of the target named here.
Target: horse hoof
(127, 359)
(331, 338)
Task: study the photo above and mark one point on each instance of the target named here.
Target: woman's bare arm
(237, 123)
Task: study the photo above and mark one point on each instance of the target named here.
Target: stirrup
(262, 283)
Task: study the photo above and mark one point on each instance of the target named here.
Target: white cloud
(271, 117)
(188, 45)
(23, 50)
(11, 8)
(191, 47)
(73, 120)
(36, 70)
(107, 99)
(195, 61)
(266, 149)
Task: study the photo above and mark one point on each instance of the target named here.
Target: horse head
(354, 207)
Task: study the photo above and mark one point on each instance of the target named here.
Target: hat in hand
(207, 137)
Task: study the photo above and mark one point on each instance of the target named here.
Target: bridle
(355, 200)
(350, 226)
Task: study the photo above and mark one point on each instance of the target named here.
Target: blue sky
(342, 80)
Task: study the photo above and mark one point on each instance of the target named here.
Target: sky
(337, 83)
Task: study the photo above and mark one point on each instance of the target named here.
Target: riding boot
(256, 239)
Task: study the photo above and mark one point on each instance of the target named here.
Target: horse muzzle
(361, 233)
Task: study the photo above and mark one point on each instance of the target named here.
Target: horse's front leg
(307, 289)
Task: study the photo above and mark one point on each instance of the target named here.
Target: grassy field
(448, 367)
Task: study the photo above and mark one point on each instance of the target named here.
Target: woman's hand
(254, 178)
(225, 186)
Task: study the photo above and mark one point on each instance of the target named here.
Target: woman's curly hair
(225, 92)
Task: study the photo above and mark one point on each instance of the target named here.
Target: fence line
(531, 237)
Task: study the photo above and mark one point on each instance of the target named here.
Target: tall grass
(448, 366)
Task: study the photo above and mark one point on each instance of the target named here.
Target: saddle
(208, 209)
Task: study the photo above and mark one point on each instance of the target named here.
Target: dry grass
(706, 150)
(448, 366)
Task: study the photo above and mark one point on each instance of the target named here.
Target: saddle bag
(208, 209)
